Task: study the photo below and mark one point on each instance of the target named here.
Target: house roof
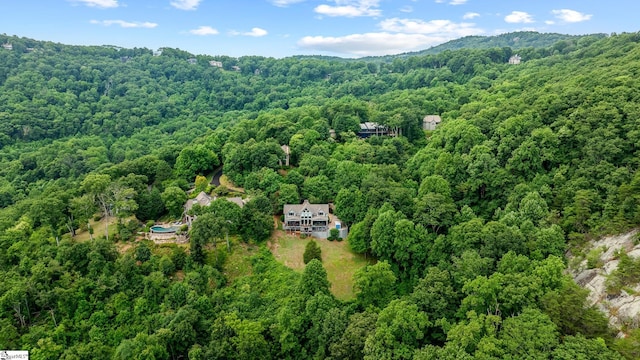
(432, 118)
(370, 126)
(313, 208)
(286, 149)
(236, 200)
(203, 199)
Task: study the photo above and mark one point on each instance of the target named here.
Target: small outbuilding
(430, 122)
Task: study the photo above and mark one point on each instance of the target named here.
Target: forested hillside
(469, 223)
(515, 41)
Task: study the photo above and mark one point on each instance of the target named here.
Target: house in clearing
(307, 218)
(430, 122)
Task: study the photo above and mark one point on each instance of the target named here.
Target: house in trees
(287, 155)
(204, 199)
(214, 63)
(430, 122)
(307, 218)
(368, 129)
(515, 59)
(7, 46)
(192, 61)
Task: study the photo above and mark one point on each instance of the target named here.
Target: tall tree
(97, 186)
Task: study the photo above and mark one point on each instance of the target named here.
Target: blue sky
(280, 28)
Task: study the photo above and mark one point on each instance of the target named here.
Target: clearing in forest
(339, 261)
(98, 229)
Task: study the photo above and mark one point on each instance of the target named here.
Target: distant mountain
(514, 40)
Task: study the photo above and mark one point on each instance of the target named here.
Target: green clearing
(98, 229)
(238, 263)
(339, 261)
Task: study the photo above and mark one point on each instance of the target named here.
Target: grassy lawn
(339, 261)
(98, 229)
(238, 263)
(224, 181)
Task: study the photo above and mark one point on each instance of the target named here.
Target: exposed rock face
(623, 308)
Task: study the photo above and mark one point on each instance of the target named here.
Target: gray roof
(236, 200)
(203, 199)
(370, 126)
(313, 208)
(432, 118)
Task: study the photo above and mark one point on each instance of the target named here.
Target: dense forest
(469, 224)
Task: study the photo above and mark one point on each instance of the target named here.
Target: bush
(143, 252)
(593, 258)
(312, 251)
(334, 234)
(221, 191)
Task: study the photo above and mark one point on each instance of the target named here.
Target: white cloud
(549, 22)
(406, 9)
(397, 36)
(103, 4)
(204, 30)
(186, 4)
(255, 32)
(285, 3)
(470, 15)
(444, 28)
(519, 17)
(350, 8)
(367, 44)
(125, 24)
(453, 2)
(571, 16)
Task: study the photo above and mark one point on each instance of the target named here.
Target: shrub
(143, 252)
(312, 251)
(334, 234)
(593, 258)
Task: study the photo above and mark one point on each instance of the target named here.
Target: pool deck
(166, 236)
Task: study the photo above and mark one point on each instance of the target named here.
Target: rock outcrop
(623, 308)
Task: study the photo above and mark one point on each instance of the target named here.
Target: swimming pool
(162, 229)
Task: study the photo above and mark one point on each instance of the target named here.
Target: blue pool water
(161, 229)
